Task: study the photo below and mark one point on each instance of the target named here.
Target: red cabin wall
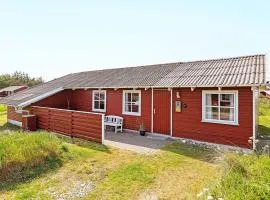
(58, 100)
(187, 124)
(82, 100)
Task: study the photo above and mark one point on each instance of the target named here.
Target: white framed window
(220, 107)
(131, 102)
(99, 100)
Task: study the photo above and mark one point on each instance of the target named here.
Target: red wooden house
(213, 101)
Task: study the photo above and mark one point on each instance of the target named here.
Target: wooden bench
(116, 121)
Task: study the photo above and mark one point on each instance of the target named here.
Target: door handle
(154, 111)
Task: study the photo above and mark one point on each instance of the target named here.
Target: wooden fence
(79, 124)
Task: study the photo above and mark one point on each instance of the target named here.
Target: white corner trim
(152, 110)
(93, 100)
(171, 114)
(123, 103)
(235, 93)
(14, 122)
(103, 130)
(38, 98)
(253, 119)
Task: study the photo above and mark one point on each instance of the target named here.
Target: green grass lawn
(107, 173)
(264, 116)
(42, 166)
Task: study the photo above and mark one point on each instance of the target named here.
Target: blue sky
(53, 38)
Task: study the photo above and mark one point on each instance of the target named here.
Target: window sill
(220, 122)
(95, 110)
(132, 114)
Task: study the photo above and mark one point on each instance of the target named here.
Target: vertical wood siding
(72, 123)
(187, 124)
(162, 111)
(58, 100)
(82, 100)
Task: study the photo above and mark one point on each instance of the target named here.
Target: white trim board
(139, 103)
(14, 122)
(93, 100)
(234, 92)
(103, 129)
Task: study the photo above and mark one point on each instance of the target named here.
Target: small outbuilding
(265, 93)
(11, 90)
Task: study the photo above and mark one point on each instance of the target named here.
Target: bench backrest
(114, 119)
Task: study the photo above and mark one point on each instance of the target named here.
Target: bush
(3, 108)
(23, 155)
(244, 177)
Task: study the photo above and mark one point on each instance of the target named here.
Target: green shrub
(3, 108)
(23, 155)
(244, 177)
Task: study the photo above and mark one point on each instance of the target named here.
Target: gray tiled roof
(238, 71)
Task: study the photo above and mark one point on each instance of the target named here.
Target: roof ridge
(225, 58)
(177, 62)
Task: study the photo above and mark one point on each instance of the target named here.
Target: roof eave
(40, 97)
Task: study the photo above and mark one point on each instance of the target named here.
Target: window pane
(102, 105)
(128, 108)
(135, 97)
(129, 97)
(96, 105)
(96, 96)
(211, 113)
(102, 96)
(212, 99)
(227, 114)
(135, 108)
(227, 100)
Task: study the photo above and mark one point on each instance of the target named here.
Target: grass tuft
(244, 177)
(24, 155)
(264, 116)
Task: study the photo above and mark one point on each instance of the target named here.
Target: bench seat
(115, 121)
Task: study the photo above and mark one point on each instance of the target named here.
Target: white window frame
(93, 100)
(140, 103)
(235, 94)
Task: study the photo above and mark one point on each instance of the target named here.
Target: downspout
(103, 129)
(171, 115)
(254, 117)
(152, 110)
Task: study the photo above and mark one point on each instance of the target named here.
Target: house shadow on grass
(9, 127)
(85, 143)
(264, 131)
(193, 151)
